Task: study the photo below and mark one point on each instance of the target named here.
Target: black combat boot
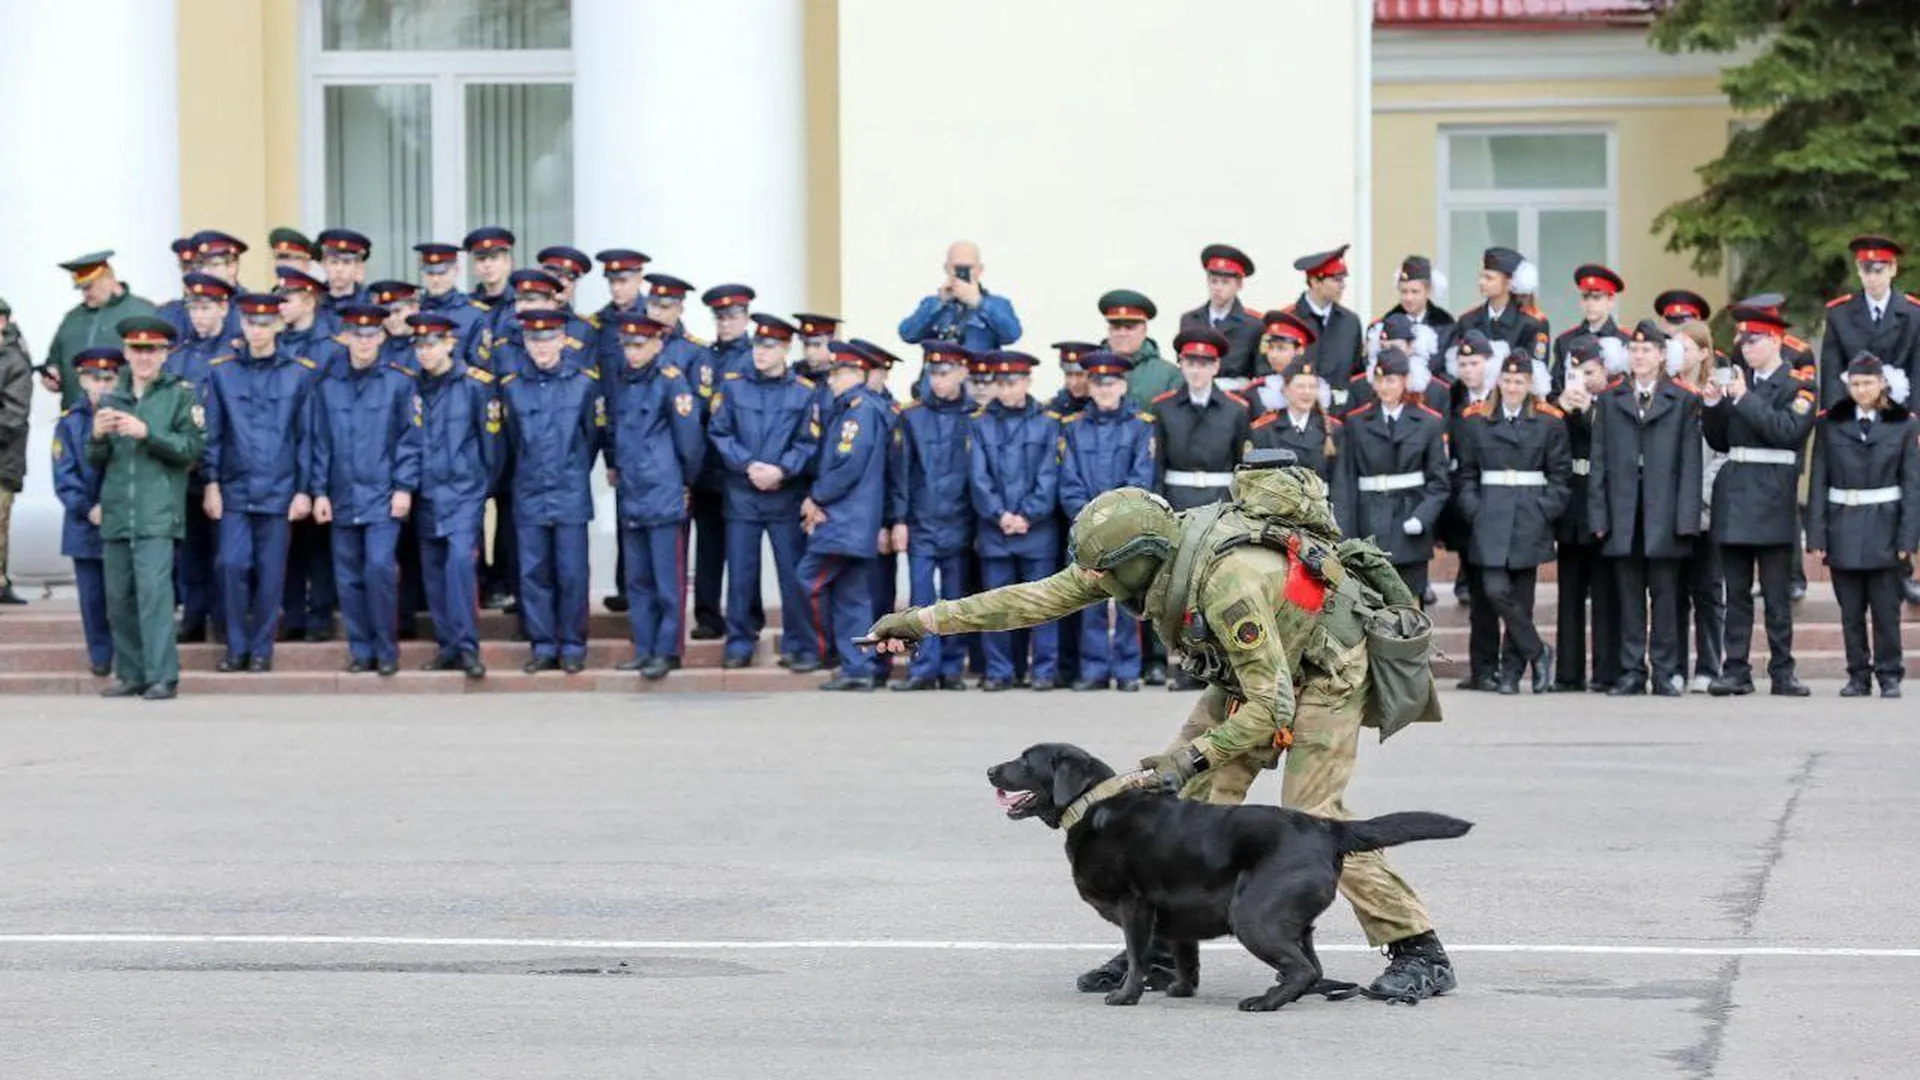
(1110, 975)
(1417, 967)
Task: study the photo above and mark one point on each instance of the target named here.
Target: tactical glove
(1173, 769)
(901, 625)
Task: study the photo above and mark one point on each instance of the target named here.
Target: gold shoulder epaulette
(594, 321)
(1838, 300)
(575, 343)
(591, 372)
(1431, 411)
(702, 342)
(306, 363)
(670, 371)
(480, 374)
(1550, 410)
(732, 375)
(508, 377)
(1051, 414)
(1145, 416)
(1483, 407)
(1071, 418)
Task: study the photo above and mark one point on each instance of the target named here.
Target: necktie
(1866, 426)
(1876, 316)
(1646, 399)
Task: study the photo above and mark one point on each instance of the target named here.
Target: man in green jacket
(148, 433)
(104, 301)
(1151, 375)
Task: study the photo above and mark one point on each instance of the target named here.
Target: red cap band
(1222, 265)
(1598, 284)
(1873, 255)
(1200, 348)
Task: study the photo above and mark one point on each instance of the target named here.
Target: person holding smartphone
(961, 310)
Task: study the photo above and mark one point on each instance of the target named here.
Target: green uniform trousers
(1326, 735)
(140, 610)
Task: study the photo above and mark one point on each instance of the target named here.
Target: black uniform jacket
(1646, 470)
(1757, 502)
(1513, 523)
(1852, 466)
(1414, 446)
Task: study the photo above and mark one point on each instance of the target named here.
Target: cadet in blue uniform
(1071, 399)
(1016, 478)
(310, 595)
(440, 294)
(490, 258)
(460, 459)
(292, 248)
(1108, 445)
(216, 255)
(209, 310)
(365, 470)
(654, 453)
(885, 579)
(398, 299)
(816, 353)
(566, 266)
(556, 425)
(764, 432)
(402, 301)
(77, 483)
(622, 267)
(731, 351)
(258, 407)
(842, 516)
(343, 256)
(929, 489)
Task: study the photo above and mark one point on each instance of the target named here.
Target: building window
(1550, 193)
(427, 118)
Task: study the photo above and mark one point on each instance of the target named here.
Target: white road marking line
(896, 945)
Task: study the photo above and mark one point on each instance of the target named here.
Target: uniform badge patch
(1802, 405)
(848, 431)
(1248, 632)
(683, 404)
(495, 413)
(199, 413)
(419, 411)
(599, 412)
(706, 376)
(59, 450)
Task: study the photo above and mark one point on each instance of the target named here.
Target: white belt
(1862, 496)
(1199, 479)
(1393, 481)
(1582, 467)
(1513, 478)
(1760, 455)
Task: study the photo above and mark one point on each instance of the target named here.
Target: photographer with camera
(962, 311)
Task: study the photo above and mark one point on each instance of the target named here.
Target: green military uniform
(143, 493)
(84, 327)
(1151, 375)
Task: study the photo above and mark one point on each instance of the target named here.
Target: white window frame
(447, 73)
(1528, 202)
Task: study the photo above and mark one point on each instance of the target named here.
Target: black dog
(1160, 866)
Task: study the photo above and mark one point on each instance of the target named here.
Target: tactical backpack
(1351, 583)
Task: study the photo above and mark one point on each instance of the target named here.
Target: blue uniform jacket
(193, 358)
(1016, 470)
(929, 480)
(467, 318)
(718, 361)
(316, 343)
(366, 442)
(992, 325)
(461, 452)
(608, 356)
(258, 412)
(771, 420)
(76, 482)
(851, 484)
(1066, 404)
(656, 442)
(556, 423)
(1103, 450)
(175, 312)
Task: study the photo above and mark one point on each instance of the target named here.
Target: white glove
(1412, 527)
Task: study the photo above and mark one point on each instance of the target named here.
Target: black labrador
(1160, 866)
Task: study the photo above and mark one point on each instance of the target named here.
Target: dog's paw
(1124, 996)
(1182, 989)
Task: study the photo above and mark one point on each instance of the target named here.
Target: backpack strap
(1187, 562)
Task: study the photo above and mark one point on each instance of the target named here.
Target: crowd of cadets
(356, 434)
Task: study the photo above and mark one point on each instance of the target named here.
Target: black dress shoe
(573, 665)
(841, 682)
(1667, 689)
(387, 668)
(1461, 594)
(1507, 685)
(1428, 597)
(1041, 686)
(538, 664)
(1560, 687)
(100, 670)
(1797, 592)
(1790, 687)
(1728, 686)
(658, 667)
(1084, 685)
(1127, 686)
(953, 682)
(1856, 687)
(125, 689)
(1599, 686)
(616, 604)
(994, 686)
(633, 663)
(708, 633)
(442, 662)
(1911, 590)
(8, 596)
(1155, 675)
(735, 663)
(1628, 687)
(1889, 688)
(260, 665)
(802, 665)
(230, 664)
(359, 667)
(470, 663)
(907, 686)
(161, 691)
(1543, 670)
(1482, 683)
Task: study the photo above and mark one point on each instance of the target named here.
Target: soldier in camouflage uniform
(1285, 662)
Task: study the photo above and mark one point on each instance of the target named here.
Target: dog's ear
(1071, 779)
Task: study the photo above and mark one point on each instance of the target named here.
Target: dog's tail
(1388, 830)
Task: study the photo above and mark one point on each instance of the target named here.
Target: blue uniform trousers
(1108, 653)
(90, 577)
(654, 558)
(309, 597)
(450, 570)
(367, 571)
(938, 657)
(553, 588)
(1000, 645)
(745, 616)
(839, 608)
(253, 575)
(710, 562)
(193, 568)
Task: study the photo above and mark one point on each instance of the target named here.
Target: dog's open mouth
(1017, 804)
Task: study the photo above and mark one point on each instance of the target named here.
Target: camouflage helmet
(1119, 525)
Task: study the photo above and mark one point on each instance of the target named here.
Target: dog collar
(1102, 791)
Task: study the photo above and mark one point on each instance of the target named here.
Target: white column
(93, 161)
(689, 144)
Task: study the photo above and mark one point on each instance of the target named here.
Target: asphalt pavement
(813, 885)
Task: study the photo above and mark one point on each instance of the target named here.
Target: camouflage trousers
(1326, 734)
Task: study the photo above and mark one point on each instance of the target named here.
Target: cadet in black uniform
(1418, 289)
(1599, 290)
(1390, 478)
(1583, 574)
(1228, 269)
(1515, 473)
(1863, 514)
(1286, 340)
(1474, 363)
(1500, 316)
(1761, 424)
(1302, 425)
(1336, 348)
